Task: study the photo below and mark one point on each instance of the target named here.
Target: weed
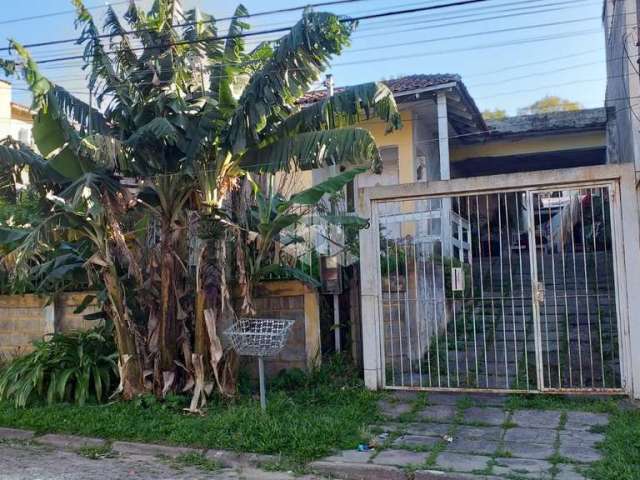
(96, 453)
(197, 460)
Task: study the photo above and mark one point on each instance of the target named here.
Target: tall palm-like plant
(189, 115)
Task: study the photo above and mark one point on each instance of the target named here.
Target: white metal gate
(510, 290)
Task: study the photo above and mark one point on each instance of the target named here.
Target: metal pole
(263, 393)
(336, 322)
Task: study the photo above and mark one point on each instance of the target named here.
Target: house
(496, 257)
(15, 119)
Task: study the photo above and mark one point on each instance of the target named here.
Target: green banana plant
(188, 116)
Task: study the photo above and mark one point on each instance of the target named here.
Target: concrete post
(370, 305)
(443, 146)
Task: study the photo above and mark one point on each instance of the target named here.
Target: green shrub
(74, 367)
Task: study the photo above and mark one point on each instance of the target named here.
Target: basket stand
(259, 337)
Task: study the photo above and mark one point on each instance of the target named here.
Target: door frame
(625, 231)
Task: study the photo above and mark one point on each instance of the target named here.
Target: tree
(495, 114)
(550, 103)
(194, 121)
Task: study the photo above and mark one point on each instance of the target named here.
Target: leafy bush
(75, 367)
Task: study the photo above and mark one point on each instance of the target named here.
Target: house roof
(414, 84)
(399, 85)
(587, 119)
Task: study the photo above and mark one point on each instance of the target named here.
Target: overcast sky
(538, 47)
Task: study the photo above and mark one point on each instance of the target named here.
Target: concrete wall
(623, 84)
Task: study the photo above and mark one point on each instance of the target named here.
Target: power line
(266, 12)
(57, 14)
(487, 32)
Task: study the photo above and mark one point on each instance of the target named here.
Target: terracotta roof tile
(397, 85)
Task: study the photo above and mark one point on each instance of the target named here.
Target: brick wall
(23, 319)
(26, 318)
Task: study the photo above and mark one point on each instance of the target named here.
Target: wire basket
(259, 337)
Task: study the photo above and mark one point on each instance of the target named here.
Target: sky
(509, 53)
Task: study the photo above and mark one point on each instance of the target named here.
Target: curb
(368, 471)
(74, 442)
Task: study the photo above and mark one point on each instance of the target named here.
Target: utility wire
(273, 30)
(57, 14)
(437, 39)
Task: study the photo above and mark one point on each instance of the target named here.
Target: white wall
(9, 124)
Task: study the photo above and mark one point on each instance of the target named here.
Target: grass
(621, 448)
(328, 410)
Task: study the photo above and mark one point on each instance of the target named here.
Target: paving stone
(394, 409)
(577, 438)
(581, 453)
(536, 418)
(462, 462)
(133, 448)
(532, 435)
(415, 441)
(427, 429)
(488, 399)
(585, 420)
(439, 398)
(15, 434)
(438, 475)
(488, 416)
(350, 456)
(70, 441)
(404, 396)
(438, 413)
(538, 451)
(400, 458)
(479, 433)
(239, 459)
(529, 468)
(355, 471)
(568, 472)
(481, 447)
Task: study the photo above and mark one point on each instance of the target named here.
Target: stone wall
(27, 318)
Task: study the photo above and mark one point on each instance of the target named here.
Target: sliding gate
(512, 290)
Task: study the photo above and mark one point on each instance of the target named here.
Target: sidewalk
(472, 437)
(447, 437)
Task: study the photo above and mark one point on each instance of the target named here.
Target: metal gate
(512, 290)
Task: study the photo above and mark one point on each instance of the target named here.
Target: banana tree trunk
(131, 381)
(168, 325)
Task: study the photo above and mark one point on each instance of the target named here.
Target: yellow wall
(547, 143)
(403, 138)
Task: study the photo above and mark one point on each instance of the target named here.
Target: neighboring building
(623, 77)
(15, 120)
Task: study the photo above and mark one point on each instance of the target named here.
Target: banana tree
(188, 116)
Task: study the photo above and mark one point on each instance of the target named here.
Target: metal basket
(259, 337)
